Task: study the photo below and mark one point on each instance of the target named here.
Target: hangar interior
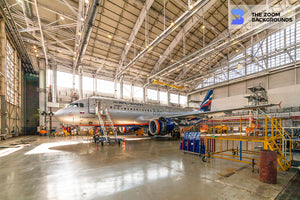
(163, 54)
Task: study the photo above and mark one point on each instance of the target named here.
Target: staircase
(278, 141)
(103, 117)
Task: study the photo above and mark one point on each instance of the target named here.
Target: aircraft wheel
(119, 142)
(102, 143)
(204, 159)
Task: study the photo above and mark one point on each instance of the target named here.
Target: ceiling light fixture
(37, 55)
(203, 27)
(236, 50)
(62, 17)
(34, 46)
(172, 24)
(87, 1)
(82, 19)
(127, 43)
(79, 33)
(109, 36)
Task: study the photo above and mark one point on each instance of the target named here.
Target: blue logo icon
(238, 13)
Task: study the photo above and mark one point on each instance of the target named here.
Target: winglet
(279, 105)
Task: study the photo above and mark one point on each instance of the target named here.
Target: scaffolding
(245, 137)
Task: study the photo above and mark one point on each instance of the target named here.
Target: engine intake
(161, 126)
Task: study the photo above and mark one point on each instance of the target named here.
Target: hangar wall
(281, 86)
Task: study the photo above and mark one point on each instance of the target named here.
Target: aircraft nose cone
(58, 114)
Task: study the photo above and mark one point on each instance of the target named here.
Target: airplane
(157, 119)
(128, 114)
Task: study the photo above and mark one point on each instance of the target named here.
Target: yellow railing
(281, 135)
(267, 131)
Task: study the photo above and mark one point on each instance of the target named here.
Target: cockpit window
(81, 105)
(73, 105)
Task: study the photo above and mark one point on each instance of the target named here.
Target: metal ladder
(101, 121)
(107, 116)
(111, 122)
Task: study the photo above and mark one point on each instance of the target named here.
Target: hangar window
(127, 91)
(208, 81)
(221, 75)
(152, 94)
(290, 35)
(87, 83)
(65, 80)
(137, 92)
(104, 86)
(10, 73)
(163, 97)
(298, 39)
(174, 98)
(183, 100)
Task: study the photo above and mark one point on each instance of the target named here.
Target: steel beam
(86, 37)
(183, 18)
(134, 31)
(41, 32)
(212, 47)
(194, 20)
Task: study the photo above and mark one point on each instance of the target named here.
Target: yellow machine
(218, 129)
(139, 132)
(64, 131)
(253, 129)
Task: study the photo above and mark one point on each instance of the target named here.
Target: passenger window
(75, 104)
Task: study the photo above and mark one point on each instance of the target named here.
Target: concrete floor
(65, 168)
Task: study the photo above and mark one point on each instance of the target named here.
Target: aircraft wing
(203, 114)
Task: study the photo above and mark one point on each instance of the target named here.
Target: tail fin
(206, 104)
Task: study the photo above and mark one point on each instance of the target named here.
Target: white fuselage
(123, 113)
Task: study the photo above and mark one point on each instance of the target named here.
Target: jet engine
(161, 126)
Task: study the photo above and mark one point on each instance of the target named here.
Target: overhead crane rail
(168, 85)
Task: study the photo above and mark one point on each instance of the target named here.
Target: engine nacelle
(161, 126)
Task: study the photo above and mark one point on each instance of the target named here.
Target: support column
(188, 100)
(95, 86)
(178, 99)
(168, 96)
(115, 89)
(2, 75)
(54, 88)
(121, 87)
(74, 75)
(158, 96)
(42, 92)
(80, 82)
(144, 94)
(131, 92)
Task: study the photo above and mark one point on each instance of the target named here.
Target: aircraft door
(92, 104)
